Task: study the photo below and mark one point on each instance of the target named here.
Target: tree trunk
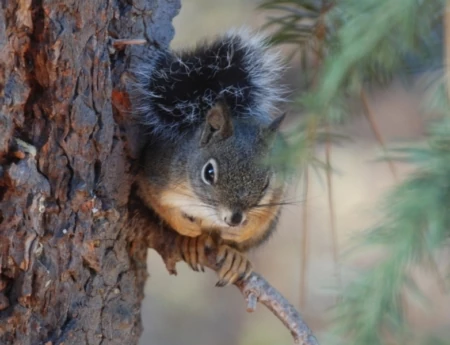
(70, 272)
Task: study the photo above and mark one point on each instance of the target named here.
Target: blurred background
(300, 259)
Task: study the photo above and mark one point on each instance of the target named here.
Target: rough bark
(70, 272)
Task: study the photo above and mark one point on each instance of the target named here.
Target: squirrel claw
(234, 266)
(192, 250)
(220, 283)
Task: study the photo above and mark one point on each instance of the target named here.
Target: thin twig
(376, 131)
(447, 74)
(447, 46)
(334, 235)
(255, 288)
(304, 249)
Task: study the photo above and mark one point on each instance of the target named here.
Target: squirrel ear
(269, 131)
(218, 124)
(276, 123)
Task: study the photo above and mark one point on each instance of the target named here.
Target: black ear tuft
(218, 123)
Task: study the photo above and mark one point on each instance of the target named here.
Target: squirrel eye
(209, 172)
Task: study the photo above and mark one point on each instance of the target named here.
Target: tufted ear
(218, 124)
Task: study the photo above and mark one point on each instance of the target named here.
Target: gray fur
(240, 142)
(241, 169)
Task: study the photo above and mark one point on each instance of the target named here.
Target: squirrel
(210, 132)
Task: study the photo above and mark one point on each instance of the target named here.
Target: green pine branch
(361, 43)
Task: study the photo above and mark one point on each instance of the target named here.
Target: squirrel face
(229, 173)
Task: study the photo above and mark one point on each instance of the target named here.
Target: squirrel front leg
(233, 264)
(193, 250)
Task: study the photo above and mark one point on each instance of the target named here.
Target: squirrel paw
(192, 250)
(234, 266)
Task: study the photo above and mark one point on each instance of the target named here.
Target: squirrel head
(230, 173)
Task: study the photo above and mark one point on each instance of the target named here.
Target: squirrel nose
(235, 219)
